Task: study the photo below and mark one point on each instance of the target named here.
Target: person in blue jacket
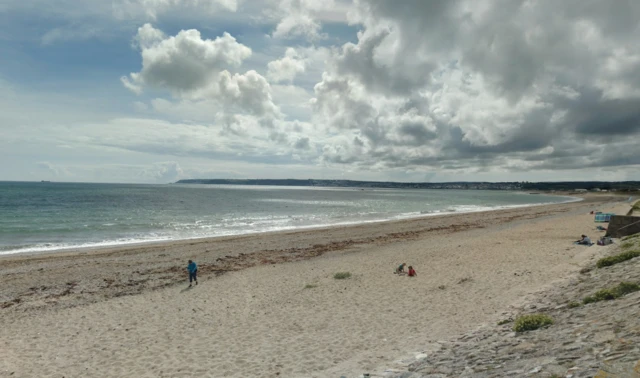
(193, 271)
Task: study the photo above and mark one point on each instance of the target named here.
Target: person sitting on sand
(193, 271)
(400, 269)
(412, 272)
(584, 240)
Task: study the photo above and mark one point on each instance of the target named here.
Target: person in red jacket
(412, 272)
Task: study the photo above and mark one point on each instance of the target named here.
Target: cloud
(294, 101)
(164, 172)
(71, 33)
(301, 143)
(464, 88)
(376, 63)
(54, 170)
(148, 37)
(69, 20)
(186, 62)
(298, 21)
(482, 85)
(287, 68)
(159, 172)
(303, 18)
(230, 137)
(131, 85)
(152, 9)
(195, 71)
(249, 91)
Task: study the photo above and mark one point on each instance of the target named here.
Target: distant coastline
(570, 186)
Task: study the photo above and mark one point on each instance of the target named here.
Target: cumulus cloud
(294, 101)
(163, 172)
(301, 143)
(148, 37)
(303, 18)
(298, 21)
(483, 85)
(185, 62)
(196, 71)
(287, 68)
(249, 91)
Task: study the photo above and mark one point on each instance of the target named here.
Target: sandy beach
(268, 305)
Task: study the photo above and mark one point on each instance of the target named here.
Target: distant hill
(526, 186)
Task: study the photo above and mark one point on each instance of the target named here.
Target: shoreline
(309, 243)
(133, 244)
(269, 305)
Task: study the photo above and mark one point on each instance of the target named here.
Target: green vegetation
(341, 275)
(574, 304)
(627, 245)
(615, 259)
(623, 288)
(310, 286)
(505, 321)
(631, 237)
(531, 322)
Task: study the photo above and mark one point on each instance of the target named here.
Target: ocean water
(51, 216)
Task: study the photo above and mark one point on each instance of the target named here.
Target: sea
(48, 216)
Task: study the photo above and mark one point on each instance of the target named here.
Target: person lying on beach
(584, 240)
(193, 272)
(604, 241)
(412, 272)
(400, 269)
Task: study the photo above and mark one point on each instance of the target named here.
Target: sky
(153, 91)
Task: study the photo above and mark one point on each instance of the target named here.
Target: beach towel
(603, 217)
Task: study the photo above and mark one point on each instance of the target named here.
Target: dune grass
(615, 292)
(627, 245)
(531, 322)
(342, 275)
(616, 259)
(631, 237)
(574, 304)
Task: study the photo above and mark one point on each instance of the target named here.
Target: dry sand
(267, 305)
